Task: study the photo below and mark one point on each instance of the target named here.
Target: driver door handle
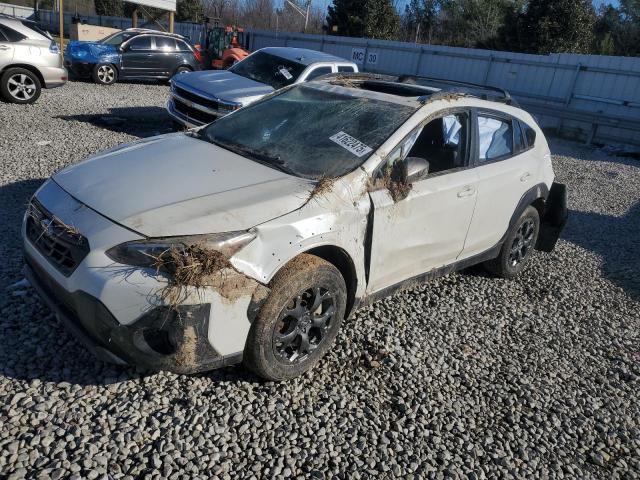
(5, 47)
(467, 191)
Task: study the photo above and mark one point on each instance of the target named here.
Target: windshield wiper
(263, 158)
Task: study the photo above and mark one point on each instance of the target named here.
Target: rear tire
(19, 85)
(299, 321)
(104, 74)
(518, 246)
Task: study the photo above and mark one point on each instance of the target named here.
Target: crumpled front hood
(91, 52)
(224, 85)
(178, 185)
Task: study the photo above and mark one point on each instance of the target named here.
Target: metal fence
(589, 97)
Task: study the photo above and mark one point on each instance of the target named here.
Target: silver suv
(29, 61)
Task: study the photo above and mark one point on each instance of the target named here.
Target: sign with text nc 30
(358, 56)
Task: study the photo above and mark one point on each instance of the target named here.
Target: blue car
(133, 54)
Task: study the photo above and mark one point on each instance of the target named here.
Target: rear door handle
(5, 47)
(466, 192)
(525, 177)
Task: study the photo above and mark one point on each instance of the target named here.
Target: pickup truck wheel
(299, 321)
(104, 74)
(518, 246)
(19, 85)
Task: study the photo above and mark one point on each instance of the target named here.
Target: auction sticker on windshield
(285, 73)
(347, 142)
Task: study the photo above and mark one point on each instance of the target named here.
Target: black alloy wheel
(303, 325)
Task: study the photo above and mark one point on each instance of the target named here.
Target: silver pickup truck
(198, 98)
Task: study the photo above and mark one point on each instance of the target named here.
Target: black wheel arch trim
(535, 193)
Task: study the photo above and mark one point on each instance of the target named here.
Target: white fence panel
(592, 97)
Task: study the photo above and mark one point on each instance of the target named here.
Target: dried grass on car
(191, 266)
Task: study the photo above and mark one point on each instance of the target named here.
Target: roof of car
(303, 55)
(154, 32)
(18, 24)
(418, 88)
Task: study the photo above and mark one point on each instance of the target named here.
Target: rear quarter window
(529, 134)
(346, 69)
(182, 46)
(10, 34)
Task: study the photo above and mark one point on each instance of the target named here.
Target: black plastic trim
(554, 219)
(430, 275)
(185, 347)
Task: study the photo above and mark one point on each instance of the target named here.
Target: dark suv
(132, 54)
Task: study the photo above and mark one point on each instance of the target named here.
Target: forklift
(222, 47)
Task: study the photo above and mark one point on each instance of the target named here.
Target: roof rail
(504, 95)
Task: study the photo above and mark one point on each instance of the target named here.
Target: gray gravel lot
(466, 377)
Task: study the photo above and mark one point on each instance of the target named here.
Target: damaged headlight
(145, 253)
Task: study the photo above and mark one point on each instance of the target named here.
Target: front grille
(192, 113)
(61, 244)
(187, 95)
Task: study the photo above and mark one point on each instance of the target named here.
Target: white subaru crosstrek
(252, 238)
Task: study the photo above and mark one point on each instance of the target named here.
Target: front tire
(104, 74)
(299, 321)
(19, 85)
(182, 69)
(518, 246)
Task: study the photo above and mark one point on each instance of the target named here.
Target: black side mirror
(417, 168)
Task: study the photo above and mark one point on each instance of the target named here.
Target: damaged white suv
(252, 238)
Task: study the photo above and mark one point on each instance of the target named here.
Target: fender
(539, 191)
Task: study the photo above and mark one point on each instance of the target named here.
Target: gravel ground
(466, 377)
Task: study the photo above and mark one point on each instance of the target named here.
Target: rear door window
(140, 43)
(495, 138)
(166, 44)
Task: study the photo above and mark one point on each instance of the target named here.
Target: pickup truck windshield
(270, 69)
(309, 132)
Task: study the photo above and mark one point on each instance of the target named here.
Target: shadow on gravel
(615, 239)
(138, 121)
(13, 199)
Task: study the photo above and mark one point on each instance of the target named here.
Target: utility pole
(61, 20)
(304, 13)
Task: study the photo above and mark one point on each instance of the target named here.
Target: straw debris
(394, 180)
(322, 187)
(201, 267)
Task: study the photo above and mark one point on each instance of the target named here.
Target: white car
(254, 237)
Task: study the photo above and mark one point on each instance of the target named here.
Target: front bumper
(162, 339)
(118, 311)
